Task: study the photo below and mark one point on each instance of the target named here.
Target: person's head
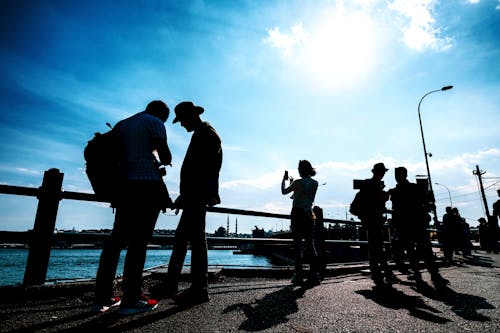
(455, 211)
(498, 192)
(188, 115)
(482, 220)
(158, 109)
(306, 169)
(448, 210)
(400, 174)
(379, 171)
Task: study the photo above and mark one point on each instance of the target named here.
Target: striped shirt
(137, 134)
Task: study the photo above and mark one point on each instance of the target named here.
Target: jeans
(191, 230)
(135, 220)
(302, 225)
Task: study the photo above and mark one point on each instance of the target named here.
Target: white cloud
(285, 42)
(421, 32)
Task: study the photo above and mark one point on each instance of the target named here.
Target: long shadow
(52, 323)
(463, 305)
(478, 260)
(269, 311)
(107, 322)
(395, 299)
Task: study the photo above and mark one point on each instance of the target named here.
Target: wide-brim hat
(379, 167)
(184, 109)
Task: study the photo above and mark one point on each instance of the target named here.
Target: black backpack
(357, 204)
(103, 164)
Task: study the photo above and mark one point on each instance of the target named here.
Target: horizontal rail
(31, 191)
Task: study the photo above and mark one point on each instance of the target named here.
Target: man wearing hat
(372, 218)
(199, 188)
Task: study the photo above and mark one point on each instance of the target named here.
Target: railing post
(43, 230)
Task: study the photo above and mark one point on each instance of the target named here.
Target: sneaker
(191, 297)
(313, 280)
(415, 277)
(297, 281)
(105, 306)
(144, 305)
(391, 278)
(439, 281)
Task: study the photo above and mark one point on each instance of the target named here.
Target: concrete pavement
(344, 302)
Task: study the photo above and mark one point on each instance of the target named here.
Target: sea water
(68, 264)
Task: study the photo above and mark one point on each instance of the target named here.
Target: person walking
(199, 188)
(410, 213)
(142, 195)
(302, 221)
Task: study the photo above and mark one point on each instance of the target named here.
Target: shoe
(439, 281)
(144, 305)
(313, 280)
(415, 277)
(297, 281)
(191, 297)
(391, 279)
(105, 306)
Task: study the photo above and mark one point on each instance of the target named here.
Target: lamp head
(446, 88)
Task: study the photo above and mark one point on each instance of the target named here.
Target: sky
(335, 82)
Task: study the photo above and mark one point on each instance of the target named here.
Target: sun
(340, 51)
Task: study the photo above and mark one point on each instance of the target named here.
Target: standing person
(141, 197)
(372, 218)
(410, 208)
(302, 221)
(483, 234)
(493, 225)
(199, 188)
(459, 235)
(450, 230)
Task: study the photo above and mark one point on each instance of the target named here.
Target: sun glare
(340, 51)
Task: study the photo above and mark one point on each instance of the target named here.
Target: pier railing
(50, 193)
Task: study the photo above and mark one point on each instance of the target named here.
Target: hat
(184, 108)
(379, 167)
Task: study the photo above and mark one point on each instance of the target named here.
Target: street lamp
(449, 194)
(431, 192)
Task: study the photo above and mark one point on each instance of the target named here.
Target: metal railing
(50, 193)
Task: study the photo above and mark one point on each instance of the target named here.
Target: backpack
(356, 207)
(103, 164)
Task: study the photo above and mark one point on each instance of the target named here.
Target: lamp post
(431, 192)
(449, 194)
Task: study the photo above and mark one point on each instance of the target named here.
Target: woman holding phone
(302, 221)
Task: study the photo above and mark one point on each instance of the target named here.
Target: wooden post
(43, 230)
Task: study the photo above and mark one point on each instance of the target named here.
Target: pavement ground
(344, 302)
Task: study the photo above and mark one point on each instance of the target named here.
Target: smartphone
(286, 175)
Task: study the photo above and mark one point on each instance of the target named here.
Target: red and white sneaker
(144, 305)
(105, 306)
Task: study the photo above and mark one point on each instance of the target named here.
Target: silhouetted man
(493, 225)
(199, 188)
(410, 215)
(141, 197)
(372, 217)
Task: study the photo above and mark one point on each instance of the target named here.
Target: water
(82, 264)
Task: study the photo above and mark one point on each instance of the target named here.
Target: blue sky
(334, 82)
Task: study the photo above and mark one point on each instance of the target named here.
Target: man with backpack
(371, 200)
(140, 197)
